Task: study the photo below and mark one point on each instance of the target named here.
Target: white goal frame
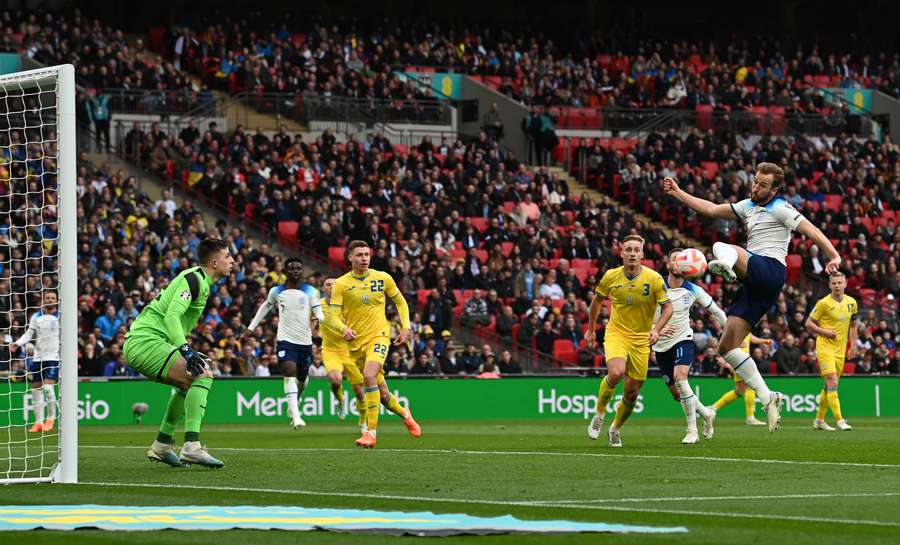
(66, 468)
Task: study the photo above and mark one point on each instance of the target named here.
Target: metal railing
(160, 102)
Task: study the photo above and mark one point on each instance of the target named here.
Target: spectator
(98, 113)
(424, 365)
(451, 364)
(475, 311)
(488, 370)
(109, 324)
(788, 358)
(545, 338)
(507, 365)
(470, 360)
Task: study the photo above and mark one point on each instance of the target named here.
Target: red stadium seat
(287, 232)
(849, 368)
(336, 257)
(833, 202)
(480, 224)
(567, 358)
(794, 267)
(563, 345)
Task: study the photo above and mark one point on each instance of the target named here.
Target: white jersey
(682, 299)
(769, 226)
(44, 329)
(295, 308)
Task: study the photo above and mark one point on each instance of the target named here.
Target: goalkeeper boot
(47, 425)
(821, 425)
(414, 428)
(720, 268)
(708, 429)
(595, 426)
(615, 440)
(773, 410)
(161, 452)
(193, 453)
(841, 424)
(367, 440)
(36, 427)
(691, 438)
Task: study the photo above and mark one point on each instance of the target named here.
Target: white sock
(50, 399)
(290, 391)
(724, 252)
(687, 403)
(702, 409)
(744, 366)
(37, 403)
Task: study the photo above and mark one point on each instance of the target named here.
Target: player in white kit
(761, 268)
(43, 329)
(675, 348)
(297, 302)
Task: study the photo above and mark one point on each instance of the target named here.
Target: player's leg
(834, 402)
(375, 356)
(616, 354)
(750, 407)
(355, 378)
(51, 375)
(389, 400)
(360, 392)
(736, 329)
(727, 398)
(637, 363)
(195, 400)
(336, 383)
(828, 371)
(291, 392)
(37, 397)
(304, 362)
(730, 262)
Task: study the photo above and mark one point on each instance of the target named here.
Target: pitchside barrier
(240, 400)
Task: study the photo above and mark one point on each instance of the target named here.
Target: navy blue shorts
(759, 292)
(40, 370)
(299, 354)
(680, 354)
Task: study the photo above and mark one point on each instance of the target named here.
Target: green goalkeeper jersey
(177, 308)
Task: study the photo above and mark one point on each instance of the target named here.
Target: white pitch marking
(541, 453)
(724, 498)
(499, 502)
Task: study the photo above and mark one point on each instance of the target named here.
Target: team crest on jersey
(687, 300)
(185, 295)
(365, 299)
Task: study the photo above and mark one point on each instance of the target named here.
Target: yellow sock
(622, 413)
(340, 394)
(725, 400)
(823, 406)
(393, 405)
(604, 395)
(834, 404)
(750, 402)
(361, 409)
(373, 400)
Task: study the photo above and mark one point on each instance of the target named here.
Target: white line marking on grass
(497, 502)
(540, 453)
(721, 498)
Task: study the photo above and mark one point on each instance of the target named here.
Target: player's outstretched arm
(593, 312)
(853, 335)
(816, 235)
(261, 314)
(701, 206)
(664, 315)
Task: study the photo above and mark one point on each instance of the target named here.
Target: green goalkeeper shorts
(150, 355)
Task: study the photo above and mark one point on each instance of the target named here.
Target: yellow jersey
(745, 346)
(634, 300)
(361, 302)
(331, 338)
(838, 316)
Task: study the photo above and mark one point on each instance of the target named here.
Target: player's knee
(630, 397)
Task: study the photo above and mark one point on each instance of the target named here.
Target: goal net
(38, 294)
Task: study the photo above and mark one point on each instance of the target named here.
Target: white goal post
(38, 233)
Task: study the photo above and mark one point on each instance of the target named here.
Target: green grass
(479, 467)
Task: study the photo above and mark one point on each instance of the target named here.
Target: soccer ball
(690, 263)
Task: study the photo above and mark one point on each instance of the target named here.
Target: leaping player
(296, 302)
(761, 268)
(675, 349)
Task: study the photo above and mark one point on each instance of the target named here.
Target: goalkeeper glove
(194, 361)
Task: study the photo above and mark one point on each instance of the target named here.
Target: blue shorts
(680, 354)
(299, 354)
(40, 370)
(760, 289)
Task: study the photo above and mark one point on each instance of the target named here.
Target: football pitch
(796, 486)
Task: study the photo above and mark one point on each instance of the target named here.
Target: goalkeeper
(156, 346)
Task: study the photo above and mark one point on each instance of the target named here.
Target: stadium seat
(567, 358)
(794, 267)
(480, 224)
(849, 368)
(833, 202)
(563, 345)
(773, 368)
(287, 232)
(336, 257)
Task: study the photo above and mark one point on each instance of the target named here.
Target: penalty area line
(541, 453)
(497, 502)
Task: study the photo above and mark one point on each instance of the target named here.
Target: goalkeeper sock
(393, 404)
(361, 409)
(603, 396)
(750, 403)
(50, 400)
(744, 366)
(290, 392)
(834, 404)
(724, 252)
(727, 398)
(622, 413)
(688, 400)
(823, 406)
(37, 402)
(174, 412)
(373, 400)
(195, 407)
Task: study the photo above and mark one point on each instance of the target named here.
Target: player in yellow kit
(635, 291)
(359, 299)
(337, 361)
(740, 388)
(833, 321)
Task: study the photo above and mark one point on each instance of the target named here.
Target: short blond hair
(637, 238)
